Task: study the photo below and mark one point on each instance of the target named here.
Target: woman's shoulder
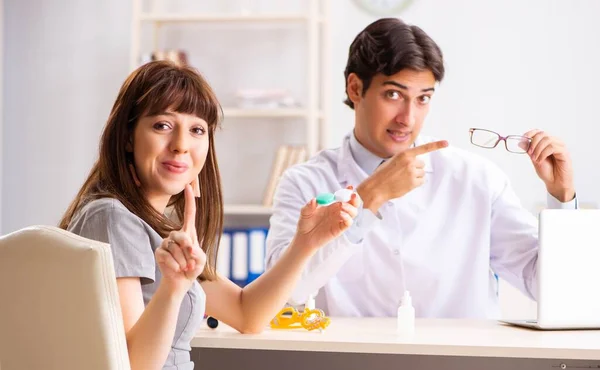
(104, 205)
(107, 218)
(110, 213)
(105, 209)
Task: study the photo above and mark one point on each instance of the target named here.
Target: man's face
(390, 115)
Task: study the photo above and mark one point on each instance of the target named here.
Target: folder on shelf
(239, 257)
(224, 255)
(256, 251)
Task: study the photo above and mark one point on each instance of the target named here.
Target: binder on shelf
(239, 257)
(224, 255)
(256, 250)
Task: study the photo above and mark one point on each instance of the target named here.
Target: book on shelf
(285, 157)
(265, 99)
(178, 57)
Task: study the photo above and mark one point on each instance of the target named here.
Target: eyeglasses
(490, 139)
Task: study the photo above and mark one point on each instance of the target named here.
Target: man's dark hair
(388, 46)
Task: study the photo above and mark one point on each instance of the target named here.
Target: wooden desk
(373, 343)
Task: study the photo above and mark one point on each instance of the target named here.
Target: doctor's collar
(366, 160)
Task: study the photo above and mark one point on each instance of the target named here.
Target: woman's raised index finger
(189, 211)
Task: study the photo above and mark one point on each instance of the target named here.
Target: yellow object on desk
(309, 319)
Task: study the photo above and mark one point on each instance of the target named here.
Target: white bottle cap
(343, 195)
(406, 299)
(310, 303)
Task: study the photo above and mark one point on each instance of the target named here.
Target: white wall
(65, 61)
(511, 66)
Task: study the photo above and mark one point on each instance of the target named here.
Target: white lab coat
(442, 241)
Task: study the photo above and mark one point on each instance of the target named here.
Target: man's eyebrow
(400, 86)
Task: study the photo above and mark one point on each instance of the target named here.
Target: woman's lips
(175, 167)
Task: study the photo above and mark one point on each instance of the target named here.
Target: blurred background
(277, 67)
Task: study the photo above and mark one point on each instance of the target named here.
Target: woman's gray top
(133, 242)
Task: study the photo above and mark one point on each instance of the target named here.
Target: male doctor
(435, 220)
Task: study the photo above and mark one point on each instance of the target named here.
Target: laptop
(568, 271)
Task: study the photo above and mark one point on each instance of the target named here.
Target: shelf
(260, 113)
(306, 115)
(190, 18)
(247, 209)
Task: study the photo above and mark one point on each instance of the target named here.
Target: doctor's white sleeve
(514, 241)
(327, 261)
(554, 203)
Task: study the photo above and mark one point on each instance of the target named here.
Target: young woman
(157, 151)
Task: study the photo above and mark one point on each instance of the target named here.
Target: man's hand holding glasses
(548, 154)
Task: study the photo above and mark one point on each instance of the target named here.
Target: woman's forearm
(150, 339)
(263, 298)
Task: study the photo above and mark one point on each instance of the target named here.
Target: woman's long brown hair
(152, 89)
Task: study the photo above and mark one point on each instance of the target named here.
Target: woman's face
(169, 151)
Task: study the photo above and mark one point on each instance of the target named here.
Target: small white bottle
(310, 303)
(406, 315)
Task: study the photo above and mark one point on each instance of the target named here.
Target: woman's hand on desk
(179, 257)
(318, 225)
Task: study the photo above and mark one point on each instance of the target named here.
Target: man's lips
(399, 136)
